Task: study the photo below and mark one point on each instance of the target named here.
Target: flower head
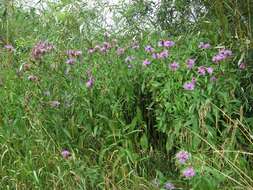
(71, 61)
(163, 54)
(174, 66)
(202, 70)
(90, 82)
(169, 186)
(168, 43)
(32, 78)
(203, 45)
(209, 70)
(65, 154)
(242, 66)
(189, 172)
(183, 156)
(146, 62)
(190, 63)
(149, 48)
(40, 49)
(120, 51)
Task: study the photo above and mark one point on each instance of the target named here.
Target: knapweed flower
(222, 55)
(106, 45)
(40, 49)
(120, 51)
(183, 156)
(169, 186)
(168, 43)
(209, 70)
(91, 50)
(189, 85)
(190, 63)
(213, 79)
(71, 61)
(155, 55)
(189, 172)
(74, 53)
(146, 62)
(174, 66)
(32, 78)
(163, 54)
(65, 154)
(203, 45)
(242, 66)
(90, 82)
(149, 48)
(54, 104)
(129, 59)
(202, 70)
(9, 47)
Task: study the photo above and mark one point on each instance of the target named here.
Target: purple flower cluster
(120, 51)
(65, 154)
(90, 81)
(203, 45)
(40, 49)
(174, 66)
(183, 156)
(189, 86)
(189, 172)
(135, 45)
(169, 186)
(166, 43)
(73, 53)
(146, 62)
(190, 63)
(202, 70)
(222, 55)
(149, 49)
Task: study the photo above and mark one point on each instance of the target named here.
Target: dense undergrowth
(105, 111)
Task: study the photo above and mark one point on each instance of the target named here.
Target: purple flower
(203, 45)
(222, 55)
(9, 47)
(168, 43)
(174, 66)
(149, 49)
(90, 82)
(146, 62)
(189, 172)
(213, 78)
(160, 43)
(189, 86)
(40, 49)
(91, 50)
(169, 186)
(106, 45)
(54, 104)
(242, 66)
(71, 61)
(155, 55)
(163, 54)
(74, 53)
(202, 70)
(120, 51)
(65, 154)
(190, 63)
(209, 70)
(183, 156)
(129, 59)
